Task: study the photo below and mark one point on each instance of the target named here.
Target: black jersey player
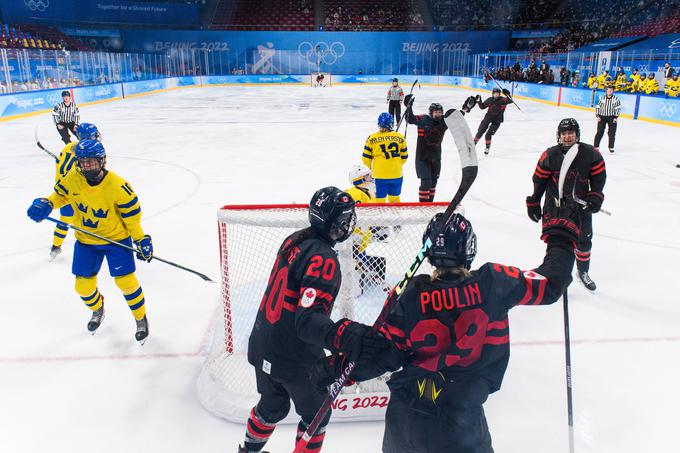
(431, 130)
(450, 333)
(293, 325)
(586, 179)
(493, 118)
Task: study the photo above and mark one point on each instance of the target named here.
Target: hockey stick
(585, 203)
(501, 88)
(567, 353)
(468, 159)
(407, 107)
(37, 142)
(125, 246)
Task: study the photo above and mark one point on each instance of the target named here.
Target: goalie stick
(569, 157)
(37, 142)
(468, 160)
(125, 246)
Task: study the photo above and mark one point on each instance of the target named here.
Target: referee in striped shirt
(66, 117)
(607, 112)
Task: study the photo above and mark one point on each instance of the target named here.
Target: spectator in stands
(564, 76)
(667, 72)
(576, 79)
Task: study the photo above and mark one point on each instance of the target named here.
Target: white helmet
(361, 176)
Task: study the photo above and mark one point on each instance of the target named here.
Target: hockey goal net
(320, 79)
(386, 240)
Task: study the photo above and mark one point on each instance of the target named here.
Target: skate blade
(141, 342)
(100, 325)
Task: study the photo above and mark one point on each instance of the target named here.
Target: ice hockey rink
(189, 151)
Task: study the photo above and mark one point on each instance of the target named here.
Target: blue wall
(100, 11)
(338, 52)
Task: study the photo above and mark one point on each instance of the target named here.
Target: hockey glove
(144, 249)
(408, 100)
(39, 209)
(358, 342)
(469, 104)
(327, 370)
(478, 99)
(562, 221)
(505, 92)
(594, 200)
(534, 208)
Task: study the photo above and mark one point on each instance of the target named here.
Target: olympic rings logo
(577, 97)
(667, 109)
(321, 51)
(37, 5)
(544, 92)
(53, 99)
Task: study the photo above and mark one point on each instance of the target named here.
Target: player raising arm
(105, 204)
(494, 116)
(450, 335)
(385, 153)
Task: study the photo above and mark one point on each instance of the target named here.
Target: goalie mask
(331, 213)
(361, 176)
(456, 246)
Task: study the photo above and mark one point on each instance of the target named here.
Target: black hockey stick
(567, 354)
(468, 159)
(37, 142)
(407, 107)
(486, 71)
(125, 246)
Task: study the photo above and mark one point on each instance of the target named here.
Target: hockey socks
(258, 432)
(316, 441)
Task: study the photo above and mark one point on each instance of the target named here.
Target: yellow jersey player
(642, 83)
(363, 185)
(652, 86)
(672, 87)
(385, 153)
(105, 204)
(66, 161)
(602, 80)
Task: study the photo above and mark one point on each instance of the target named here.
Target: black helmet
(65, 93)
(435, 106)
(454, 247)
(569, 124)
(331, 211)
(496, 90)
(395, 80)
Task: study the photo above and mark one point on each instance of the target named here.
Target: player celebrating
(293, 324)
(385, 153)
(66, 117)
(106, 205)
(431, 129)
(494, 116)
(394, 97)
(65, 161)
(586, 179)
(450, 334)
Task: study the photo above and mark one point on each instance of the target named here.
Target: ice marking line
(179, 355)
(174, 205)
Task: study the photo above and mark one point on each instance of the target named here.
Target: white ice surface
(189, 151)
